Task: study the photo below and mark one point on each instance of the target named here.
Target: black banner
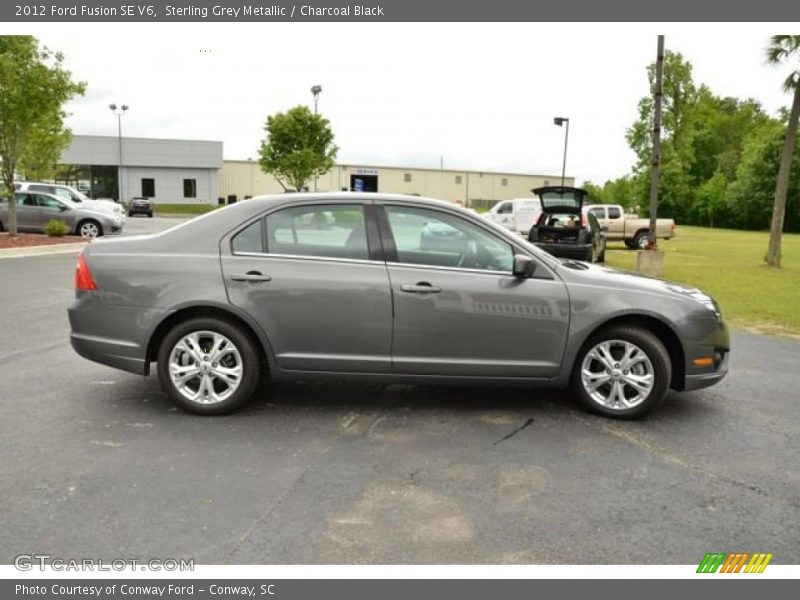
(399, 10)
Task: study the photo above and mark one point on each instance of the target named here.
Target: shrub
(56, 228)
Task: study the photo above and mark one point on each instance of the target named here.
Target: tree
(34, 87)
(299, 145)
(782, 48)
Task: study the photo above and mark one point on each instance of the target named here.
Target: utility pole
(651, 241)
(560, 121)
(119, 112)
(315, 90)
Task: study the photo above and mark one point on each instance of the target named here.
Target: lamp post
(560, 121)
(119, 111)
(315, 90)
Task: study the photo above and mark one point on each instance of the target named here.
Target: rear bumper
(113, 353)
(112, 335)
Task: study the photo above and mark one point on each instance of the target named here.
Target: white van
(517, 214)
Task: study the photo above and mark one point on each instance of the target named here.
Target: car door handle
(423, 287)
(254, 276)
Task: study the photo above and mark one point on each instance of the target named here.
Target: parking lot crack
(637, 440)
(527, 423)
(270, 509)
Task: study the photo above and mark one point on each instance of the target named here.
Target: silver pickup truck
(630, 229)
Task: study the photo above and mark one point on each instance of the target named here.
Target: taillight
(583, 220)
(84, 281)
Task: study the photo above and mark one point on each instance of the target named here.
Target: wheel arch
(660, 328)
(207, 310)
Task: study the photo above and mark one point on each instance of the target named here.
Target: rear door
(26, 210)
(313, 276)
(459, 311)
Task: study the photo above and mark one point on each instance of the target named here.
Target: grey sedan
(34, 210)
(388, 288)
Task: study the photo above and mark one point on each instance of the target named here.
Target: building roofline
(146, 139)
(410, 168)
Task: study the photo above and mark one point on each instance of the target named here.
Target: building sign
(365, 172)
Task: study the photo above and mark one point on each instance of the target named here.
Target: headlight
(700, 297)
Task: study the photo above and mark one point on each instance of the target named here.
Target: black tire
(243, 343)
(150, 214)
(2, 229)
(640, 240)
(652, 348)
(589, 257)
(602, 257)
(130, 214)
(630, 244)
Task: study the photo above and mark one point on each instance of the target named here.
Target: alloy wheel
(617, 374)
(205, 367)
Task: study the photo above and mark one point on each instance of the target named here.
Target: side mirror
(62, 208)
(524, 266)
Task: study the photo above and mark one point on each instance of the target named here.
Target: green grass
(730, 266)
(183, 209)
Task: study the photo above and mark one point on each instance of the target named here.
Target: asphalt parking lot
(97, 463)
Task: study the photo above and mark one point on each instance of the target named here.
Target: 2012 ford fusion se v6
(383, 287)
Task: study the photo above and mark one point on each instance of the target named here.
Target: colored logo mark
(736, 562)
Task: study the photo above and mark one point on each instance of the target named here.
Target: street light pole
(119, 111)
(315, 90)
(560, 121)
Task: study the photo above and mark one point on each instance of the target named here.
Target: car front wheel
(208, 366)
(90, 229)
(622, 372)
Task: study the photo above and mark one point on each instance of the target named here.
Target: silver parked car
(388, 288)
(34, 210)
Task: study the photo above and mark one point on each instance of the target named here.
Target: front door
(307, 275)
(48, 208)
(459, 311)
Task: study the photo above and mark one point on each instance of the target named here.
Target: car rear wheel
(208, 366)
(641, 240)
(90, 229)
(622, 372)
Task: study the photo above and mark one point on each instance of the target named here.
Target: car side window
(614, 212)
(505, 208)
(429, 237)
(47, 202)
(324, 230)
(598, 212)
(25, 200)
(249, 239)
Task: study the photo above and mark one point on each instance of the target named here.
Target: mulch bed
(25, 240)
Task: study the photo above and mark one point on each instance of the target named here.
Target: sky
(471, 96)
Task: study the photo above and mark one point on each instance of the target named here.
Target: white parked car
(517, 214)
(69, 193)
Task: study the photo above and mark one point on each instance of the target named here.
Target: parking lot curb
(42, 250)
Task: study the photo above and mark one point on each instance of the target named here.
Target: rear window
(249, 239)
(566, 199)
(331, 231)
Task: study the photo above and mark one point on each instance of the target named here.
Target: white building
(168, 171)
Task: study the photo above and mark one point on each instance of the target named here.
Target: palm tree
(782, 48)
